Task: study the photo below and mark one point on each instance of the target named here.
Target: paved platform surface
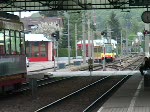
(131, 97)
(50, 64)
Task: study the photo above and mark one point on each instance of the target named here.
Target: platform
(131, 97)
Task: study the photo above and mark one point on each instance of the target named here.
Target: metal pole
(57, 52)
(54, 54)
(127, 40)
(76, 38)
(92, 45)
(84, 46)
(147, 27)
(104, 54)
(68, 41)
(121, 44)
(89, 38)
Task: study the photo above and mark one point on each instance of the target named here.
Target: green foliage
(132, 37)
(128, 22)
(49, 13)
(62, 52)
(114, 25)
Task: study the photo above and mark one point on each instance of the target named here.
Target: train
(13, 70)
(106, 51)
(102, 49)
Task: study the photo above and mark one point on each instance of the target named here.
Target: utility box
(90, 63)
(77, 63)
(61, 65)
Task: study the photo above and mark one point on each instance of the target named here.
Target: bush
(63, 52)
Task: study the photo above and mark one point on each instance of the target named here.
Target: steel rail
(69, 95)
(89, 108)
(106, 93)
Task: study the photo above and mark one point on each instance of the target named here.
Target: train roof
(99, 42)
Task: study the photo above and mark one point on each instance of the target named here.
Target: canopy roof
(41, 5)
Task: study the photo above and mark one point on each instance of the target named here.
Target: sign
(139, 2)
(146, 17)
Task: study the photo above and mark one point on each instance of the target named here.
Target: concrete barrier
(77, 63)
(61, 65)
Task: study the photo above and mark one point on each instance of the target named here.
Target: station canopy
(47, 5)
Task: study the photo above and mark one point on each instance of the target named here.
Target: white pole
(89, 38)
(57, 51)
(92, 45)
(126, 40)
(84, 44)
(104, 54)
(76, 38)
(68, 41)
(147, 27)
(121, 43)
(54, 54)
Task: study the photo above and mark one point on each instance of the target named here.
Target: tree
(47, 28)
(49, 13)
(114, 25)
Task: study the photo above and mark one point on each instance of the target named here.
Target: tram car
(13, 69)
(105, 51)
(101, 50)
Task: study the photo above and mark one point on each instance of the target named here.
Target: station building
(38, 48)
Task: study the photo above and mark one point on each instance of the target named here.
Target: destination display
(139, 2)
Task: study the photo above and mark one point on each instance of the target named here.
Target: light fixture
(113, 1)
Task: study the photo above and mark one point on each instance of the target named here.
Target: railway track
(85, 92)
(55, 91)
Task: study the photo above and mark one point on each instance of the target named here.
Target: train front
(108, 54)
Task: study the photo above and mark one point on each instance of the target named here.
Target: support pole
(76, 40)
(89, 37)
(54, 53)
(68, 40)
(84, 44)
(121, 44)
(147, 36)
(104, 55)
(33, 87)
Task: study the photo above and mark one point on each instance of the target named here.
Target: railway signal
(145, 32)
(55, 35)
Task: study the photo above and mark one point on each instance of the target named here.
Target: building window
(43, 49)
(28, 49)
(36, 49)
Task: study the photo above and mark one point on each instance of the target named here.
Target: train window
(7, 41)
(18, 42)
(108, 49)
(22, 43)
(95, 49)
(2, 47)
(43, 49)
(22, 47)
(13, 42)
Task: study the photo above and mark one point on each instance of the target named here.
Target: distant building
(38, 48)
(31, 23)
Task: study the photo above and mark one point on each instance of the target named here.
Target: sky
(25, 14)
